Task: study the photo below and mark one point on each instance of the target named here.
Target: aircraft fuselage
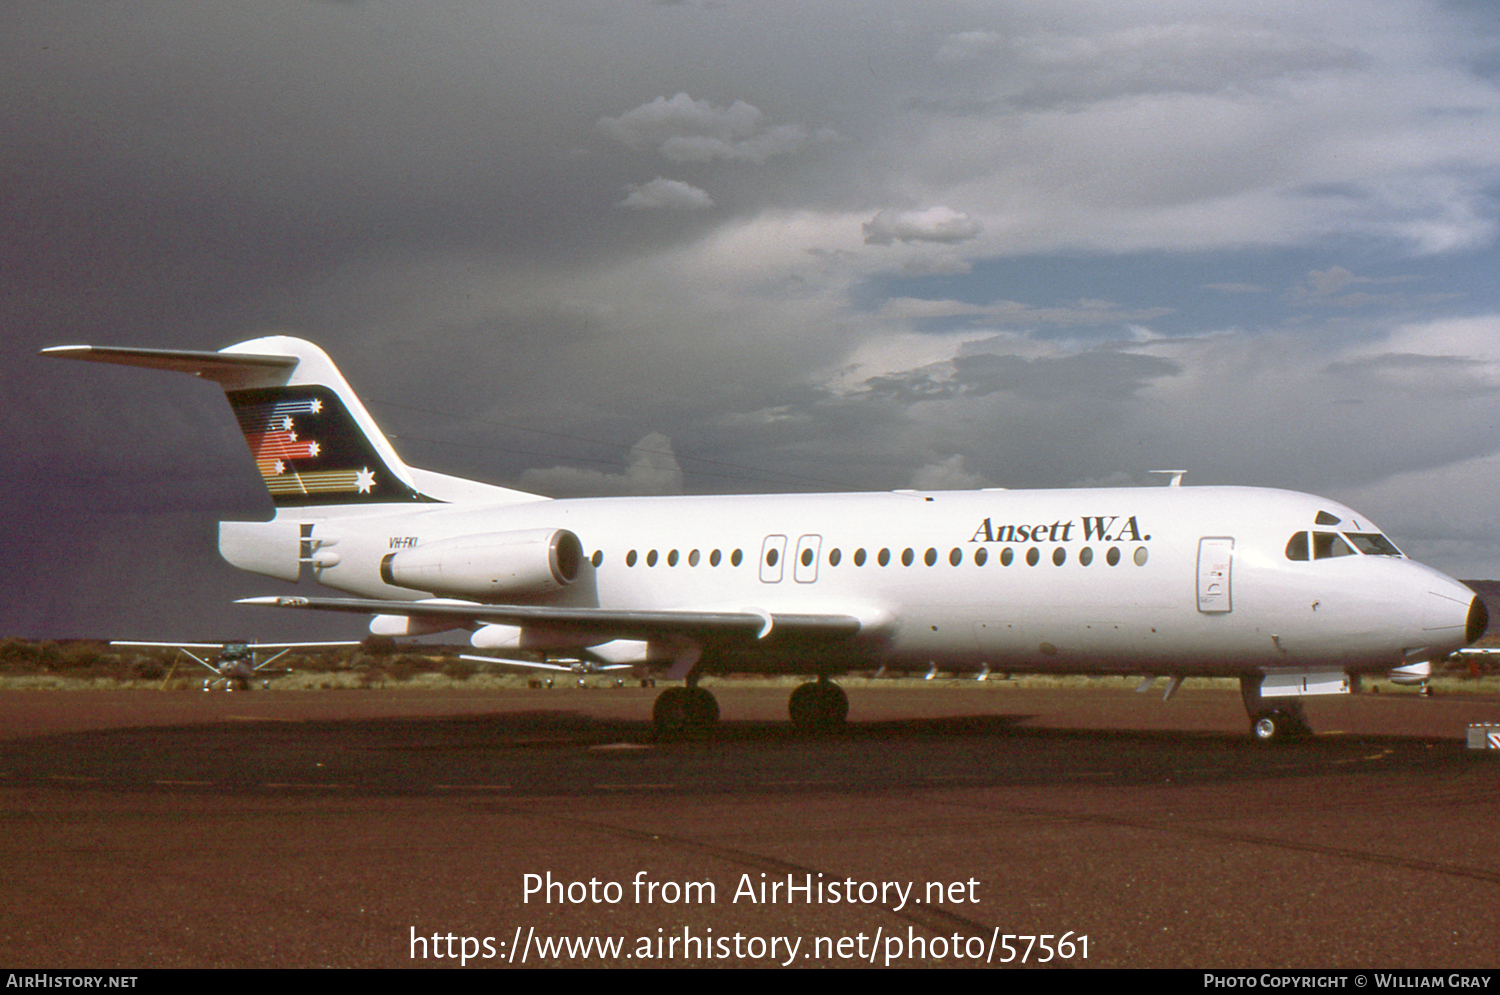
(1090, 581)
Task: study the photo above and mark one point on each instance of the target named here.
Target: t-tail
(310, 436)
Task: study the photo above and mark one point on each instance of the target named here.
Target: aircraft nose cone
(1478, 621)
(1442, 610)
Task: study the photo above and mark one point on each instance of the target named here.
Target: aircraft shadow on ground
(547, 751)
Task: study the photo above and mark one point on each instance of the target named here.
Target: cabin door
(1215, 563)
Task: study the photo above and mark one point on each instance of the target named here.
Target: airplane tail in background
(311, 438)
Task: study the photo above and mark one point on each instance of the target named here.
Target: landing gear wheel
(680, 709)
(818, 706)
(1272, 723)
(703, 708)
(670, 713)
(1267, 727)
(1279, 725)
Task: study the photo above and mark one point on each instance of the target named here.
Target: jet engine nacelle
(495, 564)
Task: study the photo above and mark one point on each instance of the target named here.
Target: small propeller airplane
(234, 663)
(1290, 593)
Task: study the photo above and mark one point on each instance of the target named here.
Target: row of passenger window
(908, 556)
(714, 558)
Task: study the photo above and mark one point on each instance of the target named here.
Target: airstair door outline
(772, 552)
(1215, 565)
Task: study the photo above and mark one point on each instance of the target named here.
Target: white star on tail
(364, 480)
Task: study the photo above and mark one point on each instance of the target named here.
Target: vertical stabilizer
(310, 436)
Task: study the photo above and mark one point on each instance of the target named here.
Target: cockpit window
(1327, 518)
(1324, 546)
(1372, 543)
(1296, 547)
(1329, 544)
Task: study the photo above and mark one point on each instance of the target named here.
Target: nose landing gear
(1277, 725)
(1272, 723)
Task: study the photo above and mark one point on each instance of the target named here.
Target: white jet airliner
(1292, 594)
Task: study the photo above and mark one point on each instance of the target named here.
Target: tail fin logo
(309, 450)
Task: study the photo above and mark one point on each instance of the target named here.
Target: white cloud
(1476, 338)
(663, 193)
(669, 117)
(686, 130)
(949, 475)
(935, 224)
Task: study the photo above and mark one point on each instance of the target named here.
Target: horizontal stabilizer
(311, 437)
(229, 368)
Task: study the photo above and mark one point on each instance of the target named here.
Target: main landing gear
(1270, 723)
(818, 706)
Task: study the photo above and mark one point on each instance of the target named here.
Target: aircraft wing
(594, 624)
(580, 667)
(219, 646)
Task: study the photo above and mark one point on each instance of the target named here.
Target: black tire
(1296, 724)
(703, 708)
(682, 709)
(818, 706)
(671, 711)
(1276, 725)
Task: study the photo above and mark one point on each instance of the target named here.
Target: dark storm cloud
(532, 235)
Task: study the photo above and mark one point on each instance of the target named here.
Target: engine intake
(489, 565)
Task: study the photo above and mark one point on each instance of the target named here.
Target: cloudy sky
(605, 247)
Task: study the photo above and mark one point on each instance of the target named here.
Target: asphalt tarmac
(949, 826)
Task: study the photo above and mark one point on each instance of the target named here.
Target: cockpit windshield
(1372, 543)
(1329, 544)
(1326, 545)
